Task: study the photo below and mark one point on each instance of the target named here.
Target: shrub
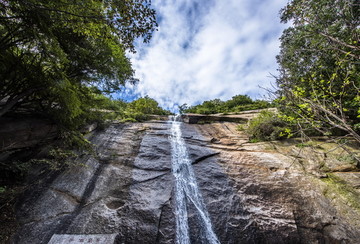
(132, 120)
(268, 126)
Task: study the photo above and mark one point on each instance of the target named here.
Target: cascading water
(187, 191)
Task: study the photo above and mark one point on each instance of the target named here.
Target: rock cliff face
(16, 134)
(253, 193)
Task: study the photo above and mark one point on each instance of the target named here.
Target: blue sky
(207, 49)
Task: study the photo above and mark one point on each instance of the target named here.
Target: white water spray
(186, 191)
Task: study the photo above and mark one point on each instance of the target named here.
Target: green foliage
(241, 127)
(183, 108)
(58, 57)
(132, 120)
(74, 139)
(238, 100)
(236, 104)
(319, 63)
(254, 140)
(146, 105)
(142, 108)
(268, 126)
(303, 145)
(57, 158)
(348, 158)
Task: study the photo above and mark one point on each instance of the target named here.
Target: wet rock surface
(252, 194)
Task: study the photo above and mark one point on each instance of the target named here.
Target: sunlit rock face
(252, 193)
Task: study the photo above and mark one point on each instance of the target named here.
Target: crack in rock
(150, 179)
(67, 195)
(198, 160)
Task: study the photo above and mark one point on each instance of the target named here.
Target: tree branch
(338, 41)
(343, 124)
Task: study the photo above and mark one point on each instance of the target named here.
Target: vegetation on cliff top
(136, 111)
(235, 104)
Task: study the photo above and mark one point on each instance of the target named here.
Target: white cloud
(209, 49)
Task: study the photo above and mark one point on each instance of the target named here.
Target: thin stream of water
(187, 191)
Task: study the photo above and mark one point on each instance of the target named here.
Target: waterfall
(187, 191)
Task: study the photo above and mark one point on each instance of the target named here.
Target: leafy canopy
(319, 63)
(57, 56)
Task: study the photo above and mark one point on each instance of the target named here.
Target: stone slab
(82, 239)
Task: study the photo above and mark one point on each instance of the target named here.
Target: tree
(319, 78)
(183, 108)
(238, 100)
(140, 109)
(54, 52)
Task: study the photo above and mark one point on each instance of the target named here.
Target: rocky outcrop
(24, 133)
(253, 193)
(126, 190)
(284, 202)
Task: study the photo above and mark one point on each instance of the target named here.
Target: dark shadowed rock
(22, 139)
(27, 132)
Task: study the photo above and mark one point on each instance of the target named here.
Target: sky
(207, 49)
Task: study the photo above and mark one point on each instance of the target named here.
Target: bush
(136, 116)
(132, 120)
(268, 126)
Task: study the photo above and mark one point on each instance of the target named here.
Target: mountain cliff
(254, 192)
